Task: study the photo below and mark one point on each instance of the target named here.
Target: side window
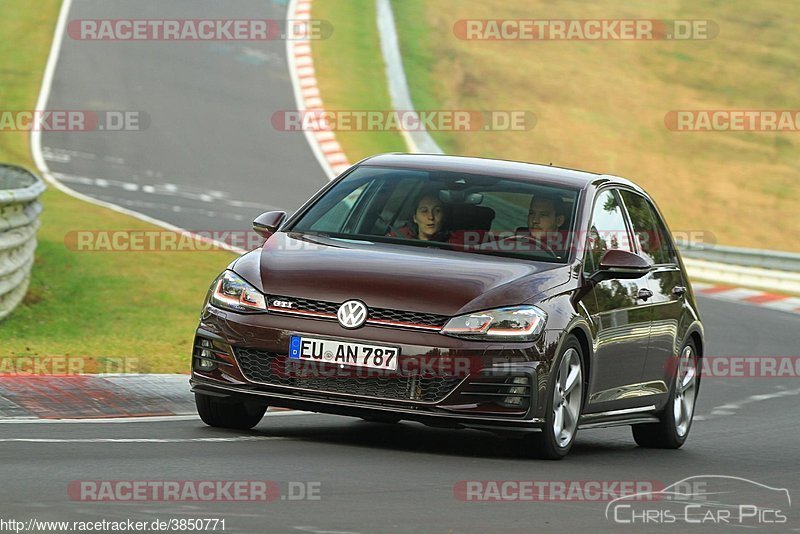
(648, 230)
(606, 231)
(339, 212)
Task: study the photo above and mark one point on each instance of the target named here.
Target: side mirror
(621, 264)
(267, 223)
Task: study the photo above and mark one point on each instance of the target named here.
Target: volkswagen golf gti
(463, 293)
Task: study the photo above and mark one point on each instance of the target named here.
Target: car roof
(494, 167)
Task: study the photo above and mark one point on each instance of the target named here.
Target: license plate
(338, 352)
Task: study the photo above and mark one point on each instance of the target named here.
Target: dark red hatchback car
(459, 292)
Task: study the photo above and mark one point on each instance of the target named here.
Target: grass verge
(601, 105)
(350, 73)
(93, 307)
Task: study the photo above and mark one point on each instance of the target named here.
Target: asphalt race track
(372, 477)
(210, 136)
(209, 158)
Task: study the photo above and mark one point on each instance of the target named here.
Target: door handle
(679, 291)
(644, 294)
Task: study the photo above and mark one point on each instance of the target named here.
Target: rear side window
(648, 229)
(606, 231)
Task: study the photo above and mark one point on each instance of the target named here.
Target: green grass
(138, 305)
(601, 105)
(350, 73)
(25, 34)
(418, 53)
(90, 306)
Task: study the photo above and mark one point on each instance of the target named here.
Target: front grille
(425, 319)
(277, 370)
(376, 316)
(316, 306)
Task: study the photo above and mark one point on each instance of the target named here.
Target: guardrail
(19, 220)
(770, 270)
(745, 257)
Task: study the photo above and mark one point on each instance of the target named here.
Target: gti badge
(282, 303)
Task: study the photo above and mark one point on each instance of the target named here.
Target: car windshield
(457, 211)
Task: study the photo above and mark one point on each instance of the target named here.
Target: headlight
(231, 292)
(518, 323)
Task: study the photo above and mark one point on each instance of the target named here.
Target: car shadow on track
(417, 438)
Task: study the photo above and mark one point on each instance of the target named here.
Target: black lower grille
(277, 370)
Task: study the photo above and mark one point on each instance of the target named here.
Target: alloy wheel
(567, 397)
(685, 389)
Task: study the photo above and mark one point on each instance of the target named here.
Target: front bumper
(482, 385)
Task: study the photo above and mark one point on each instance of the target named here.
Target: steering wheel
(540, 245)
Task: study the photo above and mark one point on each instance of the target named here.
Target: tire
(564, 405)
(226, 413)
(676, 419)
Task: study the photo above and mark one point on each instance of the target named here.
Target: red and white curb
(98, 397)
(747, 296)
(306, 90)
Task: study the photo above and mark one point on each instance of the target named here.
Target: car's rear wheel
(227, 413)
(676, 419)
(564, 405)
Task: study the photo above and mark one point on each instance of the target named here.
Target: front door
(622, 317)
(668, 287)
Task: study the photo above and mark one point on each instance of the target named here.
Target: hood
(427, 280)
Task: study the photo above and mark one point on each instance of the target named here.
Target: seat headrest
(470, 217)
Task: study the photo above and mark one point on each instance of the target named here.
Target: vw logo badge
(352, 314)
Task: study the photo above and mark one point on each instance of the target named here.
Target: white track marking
(44, 96)
(737, 293)
(41, 164)
(137, 419)
(36, 142)
(322, 530)
(168, 190)
(791, 304)
(732, 407)
(140, 440)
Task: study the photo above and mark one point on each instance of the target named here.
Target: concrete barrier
(19, 220)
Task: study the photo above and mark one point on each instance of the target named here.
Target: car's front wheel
(564, 405)
(676, 419)
(226, 413)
